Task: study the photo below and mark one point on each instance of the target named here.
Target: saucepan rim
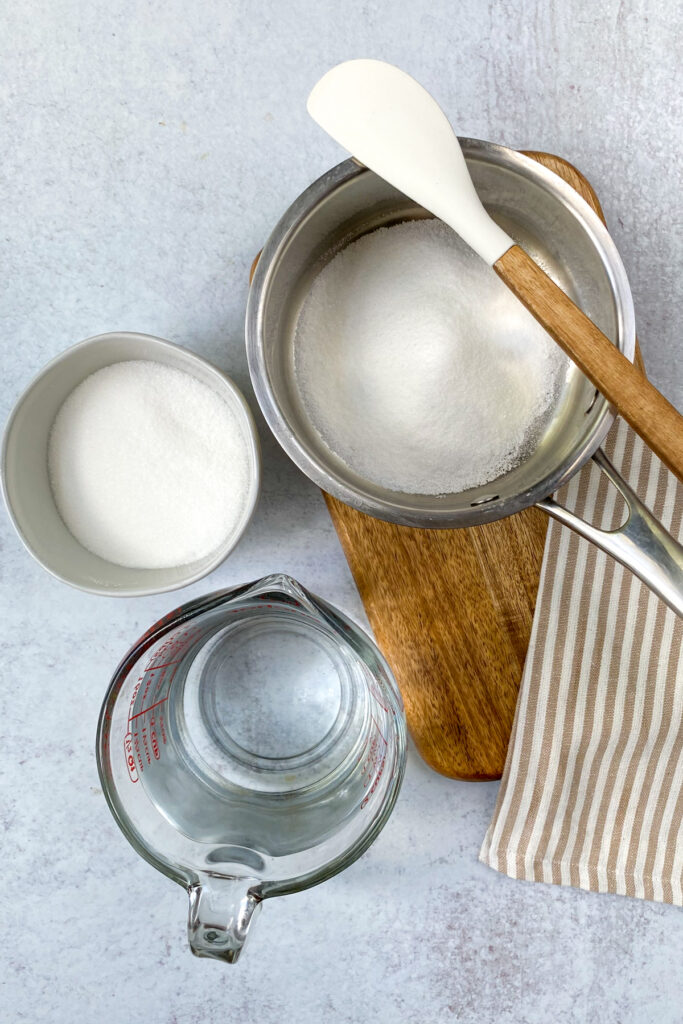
(323, 475)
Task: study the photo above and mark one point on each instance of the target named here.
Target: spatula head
(392, 125)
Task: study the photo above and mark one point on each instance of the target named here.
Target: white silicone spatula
(392, 125)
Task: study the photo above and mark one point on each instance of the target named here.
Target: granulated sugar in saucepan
(417, 365)
(148, 466)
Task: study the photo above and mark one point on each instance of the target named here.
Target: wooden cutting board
(452, 612)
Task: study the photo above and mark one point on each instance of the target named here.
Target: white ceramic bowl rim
(157, 580)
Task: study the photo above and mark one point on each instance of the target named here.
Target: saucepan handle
(641, 543)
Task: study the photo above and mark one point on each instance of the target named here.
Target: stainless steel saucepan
(558, 228)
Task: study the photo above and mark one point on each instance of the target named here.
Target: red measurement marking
(378, 728)
(145, 744)
(379, 697)
(145, 710)
(375, 783)
(130, 760)
(162, 729)
(153, 668)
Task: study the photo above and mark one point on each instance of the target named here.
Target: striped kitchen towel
(592, 793)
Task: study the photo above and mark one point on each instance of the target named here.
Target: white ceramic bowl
(26, 485)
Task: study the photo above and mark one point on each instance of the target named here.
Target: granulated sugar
(148, 466)
(416, 364)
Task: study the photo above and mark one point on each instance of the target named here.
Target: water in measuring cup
(273, 729)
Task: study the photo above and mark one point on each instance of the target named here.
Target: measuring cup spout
(282, 584)
(221, 911)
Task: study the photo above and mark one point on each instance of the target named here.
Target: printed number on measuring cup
(130, 757)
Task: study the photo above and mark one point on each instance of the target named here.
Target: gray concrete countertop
(148, 148)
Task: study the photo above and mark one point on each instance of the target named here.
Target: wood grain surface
(640, 403)
(452, 611)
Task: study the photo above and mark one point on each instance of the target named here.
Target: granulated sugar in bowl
(130, 466)
(147, 465)
(410, 379)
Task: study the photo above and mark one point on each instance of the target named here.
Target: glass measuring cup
(251, 744)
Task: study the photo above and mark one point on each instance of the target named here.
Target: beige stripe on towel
(592, 793)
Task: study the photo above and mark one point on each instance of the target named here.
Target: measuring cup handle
(220, 913)
(641, 543)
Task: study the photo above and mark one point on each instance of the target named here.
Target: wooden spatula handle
(649, 413)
